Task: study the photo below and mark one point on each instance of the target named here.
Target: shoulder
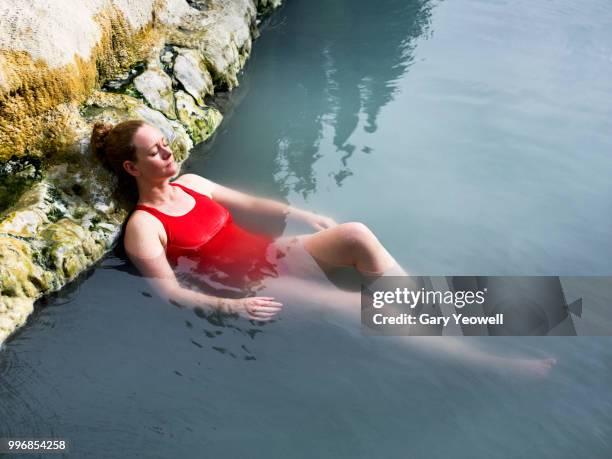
(144, 234)
(197, 183)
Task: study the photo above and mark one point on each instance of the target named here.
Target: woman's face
(154, 158)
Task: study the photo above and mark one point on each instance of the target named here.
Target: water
(471, 136)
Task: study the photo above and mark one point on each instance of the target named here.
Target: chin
(174, 170)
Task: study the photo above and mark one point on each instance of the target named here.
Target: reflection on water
(466, 153)
(349, 64)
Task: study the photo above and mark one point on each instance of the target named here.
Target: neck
(155, 193)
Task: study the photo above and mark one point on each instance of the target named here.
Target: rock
(200, 122)
(13, 314)
(52, 234)
(221, 33)
(156, 87)
(190, 70)
(268, 4)
(54, 52)
(70, 248)
(113, 108)
(21, 280)
(53, 31)
(30, 215)
(20, 275)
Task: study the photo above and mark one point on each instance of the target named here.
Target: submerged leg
(462, 350)
(346, 305)
(352, 244)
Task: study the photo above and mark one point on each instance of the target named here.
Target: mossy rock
(200, 122)
(156, 88)
(190, 71)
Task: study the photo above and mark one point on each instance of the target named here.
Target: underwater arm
(146, 251)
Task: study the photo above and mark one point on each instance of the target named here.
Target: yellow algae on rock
(13, 314)
(20, 275)
(70, 248)
(30, 215)
(33, 88)
(201, 122)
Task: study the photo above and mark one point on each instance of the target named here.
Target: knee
(356, 233)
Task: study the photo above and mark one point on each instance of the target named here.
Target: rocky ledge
(65, 65)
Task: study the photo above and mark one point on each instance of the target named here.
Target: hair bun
(99, 134)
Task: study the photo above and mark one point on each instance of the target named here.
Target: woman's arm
(229, 197)
(144, 247)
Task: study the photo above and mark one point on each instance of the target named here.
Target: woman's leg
(351, 244)
(318, 293)
(346, 306)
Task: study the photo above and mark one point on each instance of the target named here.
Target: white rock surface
(226, 31)
(173, 12)
(190, 70)
(54, 30)
(156, 87)
(170, 129)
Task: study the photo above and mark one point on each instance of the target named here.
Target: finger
(269, 303)
(263, 298)
(266, 309)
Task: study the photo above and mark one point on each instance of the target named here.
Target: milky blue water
(473, 137)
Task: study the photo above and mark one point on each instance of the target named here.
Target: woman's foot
(531, 368)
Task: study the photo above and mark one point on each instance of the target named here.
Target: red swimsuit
(207, 235)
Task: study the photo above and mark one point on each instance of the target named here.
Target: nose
(166, 152)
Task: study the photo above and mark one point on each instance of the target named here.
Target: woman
(139, 152)
(186, 222)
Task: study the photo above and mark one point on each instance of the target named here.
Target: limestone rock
(200, 122)
(190, 70)
(20, 275)
(13, 314)
(53, 233)
(54, 30)
(71, 248)
(272, 4)
(156, 88)
(173, 12)
(222, 34)
(55, 51)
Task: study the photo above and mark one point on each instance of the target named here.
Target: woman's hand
(318, 222)
(261, 308)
